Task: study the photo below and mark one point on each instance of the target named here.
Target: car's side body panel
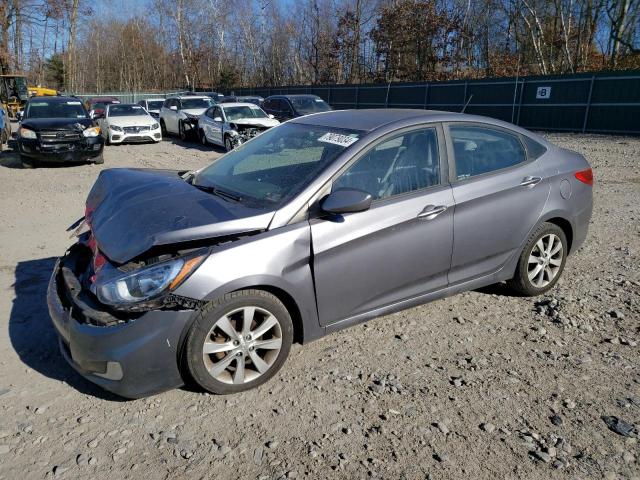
(364, 261)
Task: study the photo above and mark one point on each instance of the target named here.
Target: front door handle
(530, 181)
(431, 211)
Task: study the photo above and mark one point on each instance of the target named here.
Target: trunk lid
(132, 210)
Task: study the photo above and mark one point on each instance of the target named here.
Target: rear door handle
(431, 211)
(530, 181)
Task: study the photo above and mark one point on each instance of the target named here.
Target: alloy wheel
(242, 345)
(545, 260)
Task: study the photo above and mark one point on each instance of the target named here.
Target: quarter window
(402, 164)
(481, 150)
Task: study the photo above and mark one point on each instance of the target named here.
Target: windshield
(274, 167)
(155, 104)
(188, 103)
(307, 105)
(57, 109)
(237, 113)
(125, 110)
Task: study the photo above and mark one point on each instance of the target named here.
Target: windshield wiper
(218, 192)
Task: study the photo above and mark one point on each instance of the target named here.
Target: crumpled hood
(133, 210)
(258, 122)
(38, 124)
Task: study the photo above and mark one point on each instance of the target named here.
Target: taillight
(585, 176)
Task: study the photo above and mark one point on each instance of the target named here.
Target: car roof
(189, 97)
(52, 98)
(374, 118)
(102, 99)
(297, 95)
(159, 99)
(238, 104)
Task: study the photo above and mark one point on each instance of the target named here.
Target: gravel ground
(482, 385)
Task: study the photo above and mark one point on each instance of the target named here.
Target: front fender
(278, 259)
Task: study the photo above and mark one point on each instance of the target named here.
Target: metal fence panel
(607, 102)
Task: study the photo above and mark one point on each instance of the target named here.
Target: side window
(177, 103)
(534, 149)
(481, 150)
(285, 107)
(399, 165)
(167, 103)
(268, 105)
(217, 113)
(209, 112)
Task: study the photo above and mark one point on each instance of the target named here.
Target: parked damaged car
(128, 123)
(179, 115)
(320, 223)
(285, 107)
(232, 124)
(97, 105)
(152, 105)
(58, 129)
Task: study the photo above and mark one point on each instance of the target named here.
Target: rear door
(499, 195)
(398, 249)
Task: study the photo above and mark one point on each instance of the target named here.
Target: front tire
(228, 144)
(238, 342)
(27, 162)
(541, 262)
(163, 128)
(99, 159)
(182, 134)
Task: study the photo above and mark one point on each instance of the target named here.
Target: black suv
(284, 107)
(58, 129)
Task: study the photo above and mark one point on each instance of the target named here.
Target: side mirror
(346, 200)
(173, 107)
(217, 119)
(97, 115)
(271, 116)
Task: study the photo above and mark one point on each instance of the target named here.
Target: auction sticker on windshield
(338, 139)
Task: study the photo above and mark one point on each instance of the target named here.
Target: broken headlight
(91, 132)
(147, 282)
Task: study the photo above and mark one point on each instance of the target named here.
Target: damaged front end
(241, 133)
(105, 294)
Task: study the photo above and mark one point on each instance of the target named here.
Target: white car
(152, 105)
(232, 124)
(127, 122)
(179, 115)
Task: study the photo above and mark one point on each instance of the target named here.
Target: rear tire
(541, 262)
(224, 355)
(99, 160)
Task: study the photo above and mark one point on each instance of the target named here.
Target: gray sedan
(318, 224)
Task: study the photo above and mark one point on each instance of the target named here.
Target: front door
(499, 196)
(398, 249)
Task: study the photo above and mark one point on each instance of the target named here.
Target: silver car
(318, 224)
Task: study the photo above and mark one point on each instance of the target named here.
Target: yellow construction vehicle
(42, 92)
(13, 93)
